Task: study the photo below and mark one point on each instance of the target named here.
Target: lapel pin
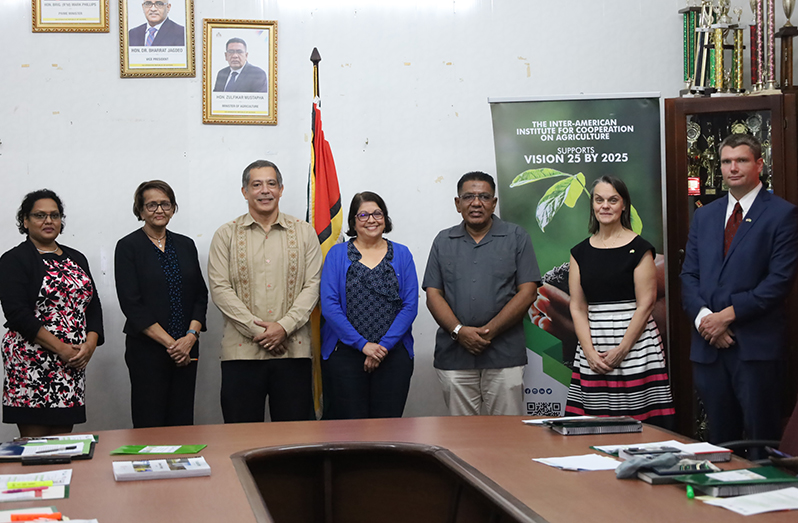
(748, 220)
(631, 251)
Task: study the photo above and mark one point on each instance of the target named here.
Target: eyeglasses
(159, 5)
(483, 197)
(153, 206)
(41, 216)
(236, 51)
(364, 216)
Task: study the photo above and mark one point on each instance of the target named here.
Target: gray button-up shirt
(478, 280)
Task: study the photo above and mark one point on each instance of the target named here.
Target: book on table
(667, 475)
(740, 482)
(40, 451)
(603, 425)
(161, 469)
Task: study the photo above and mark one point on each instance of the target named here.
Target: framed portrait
(239, 72)
(69, 16)
(156, 38)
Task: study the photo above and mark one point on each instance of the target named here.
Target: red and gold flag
(325, 215)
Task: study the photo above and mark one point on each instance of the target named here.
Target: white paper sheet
(585, 462)
(783, 499)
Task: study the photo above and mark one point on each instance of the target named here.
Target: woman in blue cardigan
(369, 299)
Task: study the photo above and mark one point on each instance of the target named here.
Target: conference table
(500, 447)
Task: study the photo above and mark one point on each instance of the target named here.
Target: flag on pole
(326, 217)
(324, 198)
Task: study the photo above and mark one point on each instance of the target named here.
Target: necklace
(43, 251)
(604, 243)
(159, 240)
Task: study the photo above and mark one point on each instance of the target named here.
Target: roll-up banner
(548, 154)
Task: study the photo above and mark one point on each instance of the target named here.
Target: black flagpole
(315, 57)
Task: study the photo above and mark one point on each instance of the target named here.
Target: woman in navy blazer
(369, 299)
(164, 298)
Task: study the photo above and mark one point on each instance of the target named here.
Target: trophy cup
(754, 123)
(702, 79)
(693, 159)
(786, 34)
(709, 162)
(766, 157)
(689, 22)
(756, 81)
(725, 81)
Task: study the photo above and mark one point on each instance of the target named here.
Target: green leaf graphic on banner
(637, 223)
(533, 175)
(575, 190)
(551, 202)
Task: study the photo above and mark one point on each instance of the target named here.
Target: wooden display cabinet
(694, 161)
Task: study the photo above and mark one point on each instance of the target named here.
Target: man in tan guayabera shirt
(264, 269)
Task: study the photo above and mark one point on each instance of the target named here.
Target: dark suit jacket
(755, 276)
(21, 275)
(252, 79)
(170, 34)
(142, 288)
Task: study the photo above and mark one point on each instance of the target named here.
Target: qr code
(544, 408)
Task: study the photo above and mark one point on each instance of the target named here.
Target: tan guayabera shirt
(270, 277)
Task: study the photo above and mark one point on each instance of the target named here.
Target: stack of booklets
(161, 469)
(605, 425)
(740, 482)
(668, 475)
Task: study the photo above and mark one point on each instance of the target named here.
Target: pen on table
(71, 447)
(31, 489)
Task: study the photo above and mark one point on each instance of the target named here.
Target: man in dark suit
(738, 269)
(159, 31)
(240, 76)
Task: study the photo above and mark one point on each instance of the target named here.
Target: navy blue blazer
(170, 34)
(252, 79)
(142, 288)
(755, 276)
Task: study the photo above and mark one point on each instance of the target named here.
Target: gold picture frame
(156, 39)
(69, 16)
(235, 90)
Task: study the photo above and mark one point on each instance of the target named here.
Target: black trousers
(740, 397)
(353, 393)
(287, 383)
(161, 393)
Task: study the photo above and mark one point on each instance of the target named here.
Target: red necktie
(731, 227)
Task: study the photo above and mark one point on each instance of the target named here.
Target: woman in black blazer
(54, 323)
(164, 298)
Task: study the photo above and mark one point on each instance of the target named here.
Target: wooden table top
(501, 447)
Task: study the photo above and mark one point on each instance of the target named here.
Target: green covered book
(740, 482)
(158, 449)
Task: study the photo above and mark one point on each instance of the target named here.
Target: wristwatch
(192, 331)
(456, 331)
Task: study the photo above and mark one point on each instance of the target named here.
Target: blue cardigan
(333, 302)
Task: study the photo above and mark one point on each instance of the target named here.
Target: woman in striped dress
(620, 364)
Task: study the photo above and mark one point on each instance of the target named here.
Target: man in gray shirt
(481, 278)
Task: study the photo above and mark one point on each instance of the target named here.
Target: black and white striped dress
(639, 386)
